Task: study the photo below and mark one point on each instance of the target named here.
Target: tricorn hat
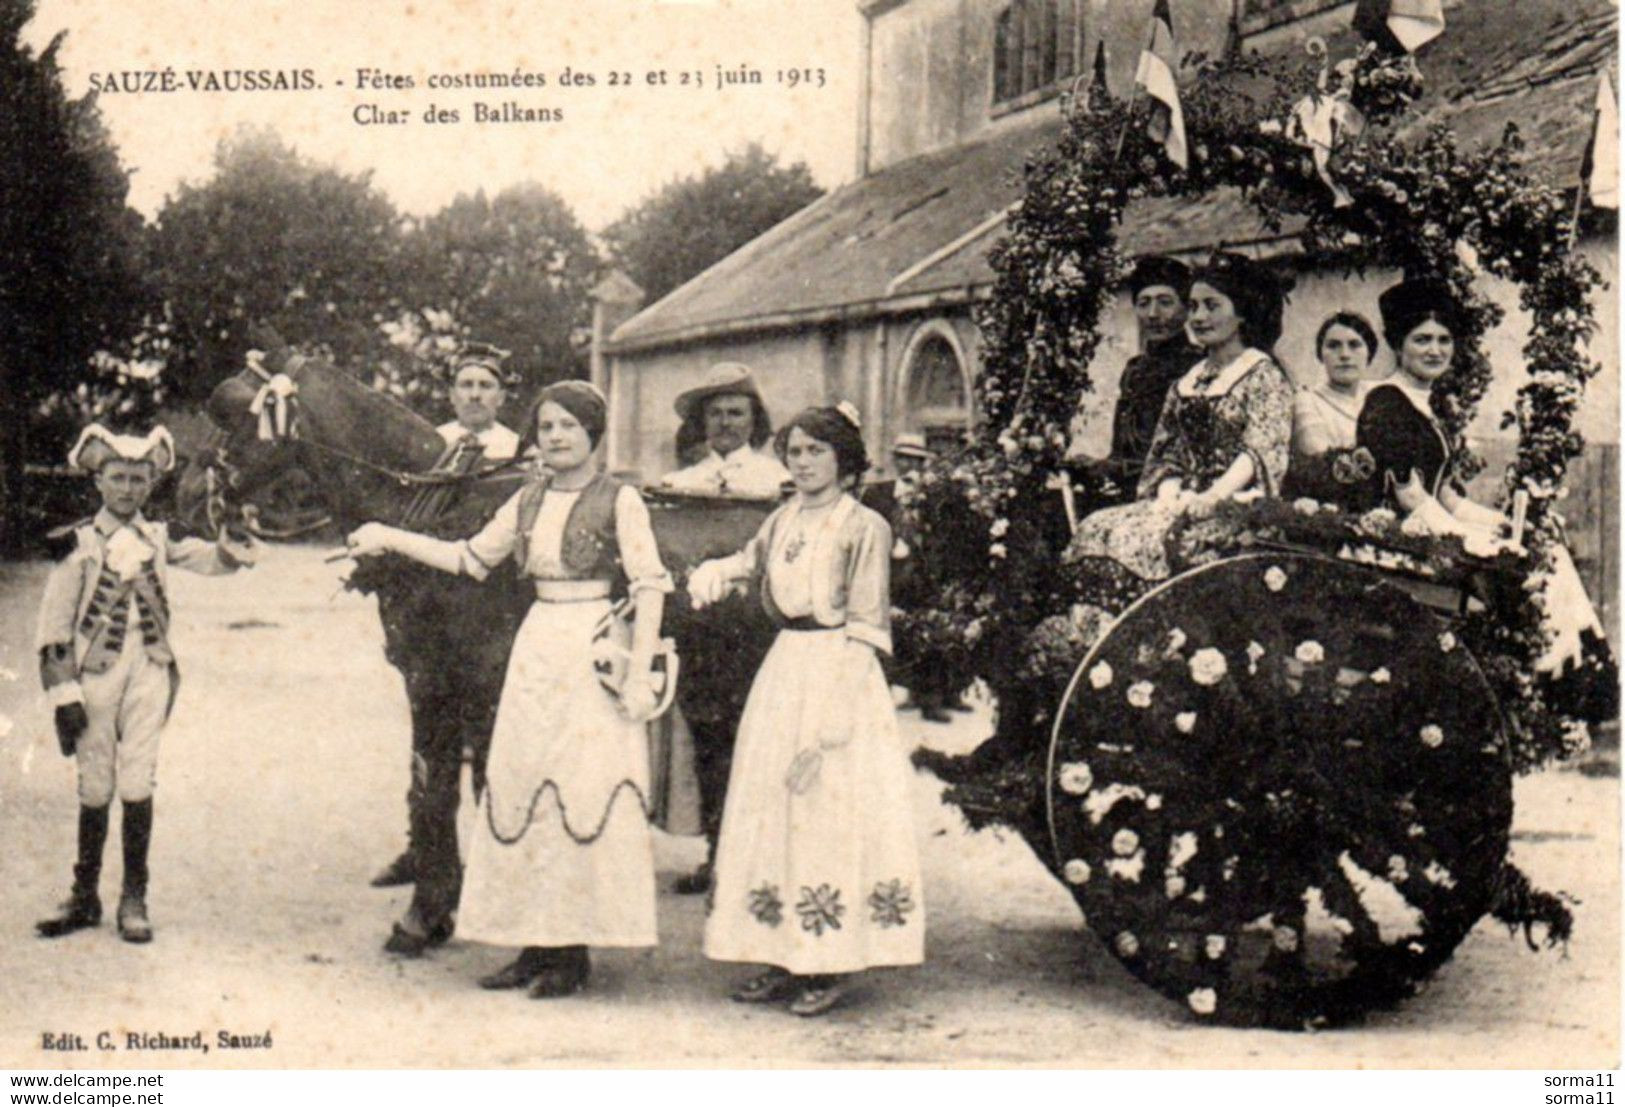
(726, 378)
(97, 446)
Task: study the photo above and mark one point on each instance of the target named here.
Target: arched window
(1034, 47)
(936, 403)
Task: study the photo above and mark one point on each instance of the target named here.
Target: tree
(514, 270)
(691, 224)
(70, 284)
(273, 239)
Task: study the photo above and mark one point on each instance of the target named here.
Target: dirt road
(281, 790)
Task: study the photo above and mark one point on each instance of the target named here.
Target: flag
(1158, 62)
(1412, 23)
(1599, 172)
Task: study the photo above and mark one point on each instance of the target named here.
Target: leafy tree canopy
(692, 223)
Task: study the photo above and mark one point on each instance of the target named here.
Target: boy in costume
(106, 661)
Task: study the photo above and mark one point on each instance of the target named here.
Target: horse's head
(285, 411)
(255, 444)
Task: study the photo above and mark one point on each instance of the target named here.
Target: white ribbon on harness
(272, 404)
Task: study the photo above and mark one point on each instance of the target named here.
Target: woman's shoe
(566, 976)
(765, 986)
(818, 995)
(521, 971)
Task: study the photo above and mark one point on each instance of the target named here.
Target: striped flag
(1411, 23)
(1599, 173)
(1158, 63)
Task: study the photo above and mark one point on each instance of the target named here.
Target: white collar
(1420, 396)
(1238, 367)
(743, 453)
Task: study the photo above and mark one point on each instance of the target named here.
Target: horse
(372, 458)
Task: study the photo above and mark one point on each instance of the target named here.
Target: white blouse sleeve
(640, 556)
(495, 541)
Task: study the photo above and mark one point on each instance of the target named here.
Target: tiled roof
(920, 229)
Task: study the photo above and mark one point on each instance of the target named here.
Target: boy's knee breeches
(127, 706)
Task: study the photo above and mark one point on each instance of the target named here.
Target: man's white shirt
(500, 443)
(744, 472)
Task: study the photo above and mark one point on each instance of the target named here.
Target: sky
(613, 145)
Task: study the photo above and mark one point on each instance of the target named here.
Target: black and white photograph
(812, 534)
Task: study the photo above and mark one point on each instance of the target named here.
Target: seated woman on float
(1412, 465)
(1325, 418)
(1225, 426)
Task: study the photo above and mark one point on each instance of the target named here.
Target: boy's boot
(83, 906)
(132, 905)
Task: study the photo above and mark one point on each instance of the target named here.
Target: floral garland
(1424, 206)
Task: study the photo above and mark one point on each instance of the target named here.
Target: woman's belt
(807, 622)
(571, 591)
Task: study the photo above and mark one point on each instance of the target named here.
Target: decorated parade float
(1279, 784)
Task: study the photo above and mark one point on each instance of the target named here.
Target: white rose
(1139, 693)
(1275, 578)
(1076, 871)
(1204, 1001)
(1381, 676)
(1076, 779)
(1432, 736)
(1185, 721)
(1214, 946)
(1125, 842)
(1286, 939)
(1310, 652)
(1398, 871)
(1447, 641)
(1127, 944)
(1208, 666)
(1100, 676)
(1174, 886)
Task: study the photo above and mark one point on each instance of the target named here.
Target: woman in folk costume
(562, 859)
(106, 661)
(1225, 429)
(1411, 468)
(1324, 417)
(817, 872)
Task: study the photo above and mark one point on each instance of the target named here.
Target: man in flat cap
(729, 408)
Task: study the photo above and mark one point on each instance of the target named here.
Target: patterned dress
(561, 855)
(1213, 415)
(817, 866)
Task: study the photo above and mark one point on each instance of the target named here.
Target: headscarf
(582, 400)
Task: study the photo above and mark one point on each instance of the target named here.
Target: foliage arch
(1422, 205)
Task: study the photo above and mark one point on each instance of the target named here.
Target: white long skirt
(561, 853)
(817, 872)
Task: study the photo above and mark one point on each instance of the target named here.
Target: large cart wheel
(1280, 790)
